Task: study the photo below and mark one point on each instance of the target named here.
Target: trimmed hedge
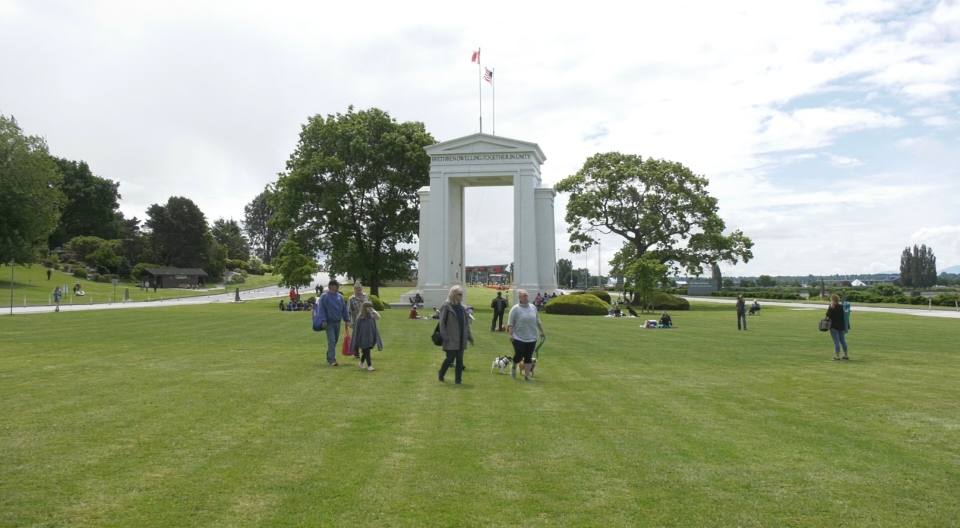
(80, 273)
(665, 301)
(790, 296)
(577, 305)
(602, 295)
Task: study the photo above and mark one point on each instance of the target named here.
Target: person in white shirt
(523, 325)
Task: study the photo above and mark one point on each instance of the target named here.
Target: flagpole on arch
(488, 76)
(476, 58)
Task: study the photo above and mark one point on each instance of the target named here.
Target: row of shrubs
(944, 299)
(596, 302)
(759, 295)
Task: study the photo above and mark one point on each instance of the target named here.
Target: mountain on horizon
(951, 269)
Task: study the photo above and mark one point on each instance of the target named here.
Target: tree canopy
(91, 207)
(30, 195)
(265, 239)
(659, 207)
(178, 232)
(350, 192)
(642, 278)
(918, 269)
(294, 268)
(228, 234)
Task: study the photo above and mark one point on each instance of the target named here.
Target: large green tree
(659, 207)
(30, 195)
(228, 234)
(92, 205)
(177, 233)
(295, 269)
(350, 192)
(918, 269)
(265, 239)
(642, 277)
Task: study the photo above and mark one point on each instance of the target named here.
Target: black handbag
(436, 337)
(825, 324)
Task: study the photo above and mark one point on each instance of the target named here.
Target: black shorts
(523, 350)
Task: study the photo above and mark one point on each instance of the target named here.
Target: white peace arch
(475, 161)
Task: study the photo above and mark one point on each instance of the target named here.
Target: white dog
(501, 363)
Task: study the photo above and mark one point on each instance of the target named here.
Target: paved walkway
(323, 278)
(272, 292)
(920, 312)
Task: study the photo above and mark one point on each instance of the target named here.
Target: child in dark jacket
(366, 334)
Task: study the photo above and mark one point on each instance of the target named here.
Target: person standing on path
(366, 335)
(741, 312)
(331, 309)
(499, 306)
(838, 327)
(523, 324)
(57, 295)
(455, 331)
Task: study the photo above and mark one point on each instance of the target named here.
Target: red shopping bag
(346, 344)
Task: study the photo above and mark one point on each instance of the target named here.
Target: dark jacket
(366, 334)
(837, 320)
(499, 305)
(455, 336)
(741, 306)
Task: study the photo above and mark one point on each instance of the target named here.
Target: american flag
(488, 75)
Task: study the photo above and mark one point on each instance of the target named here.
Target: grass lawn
(31, 288)
(226, 415)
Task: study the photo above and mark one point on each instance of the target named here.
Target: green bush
(761, 294)
(577, 305)
(238, 277)
(665, 301)
(602, 295)
(80, 272)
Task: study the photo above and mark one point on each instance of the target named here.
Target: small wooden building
(177, 277)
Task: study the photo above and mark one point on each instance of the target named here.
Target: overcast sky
(829, 130)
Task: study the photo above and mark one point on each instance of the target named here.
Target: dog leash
(536, 351)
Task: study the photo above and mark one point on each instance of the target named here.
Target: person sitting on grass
(665, 320)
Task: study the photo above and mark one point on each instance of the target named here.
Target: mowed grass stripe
(227, 415)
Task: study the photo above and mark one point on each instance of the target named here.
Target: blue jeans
(333, 335)
(838, 340)
(742, 317)
(453, 356)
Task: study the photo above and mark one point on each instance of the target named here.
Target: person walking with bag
(331, 309)
(366, 335)
(838, 327)
(523, 324)
(741, 312)
(455, 332)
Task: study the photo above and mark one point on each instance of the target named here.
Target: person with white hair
(523, 324)
(455, 331)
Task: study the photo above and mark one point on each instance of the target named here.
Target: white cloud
(844, 162)
(206, 99)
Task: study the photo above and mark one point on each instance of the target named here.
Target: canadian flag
(475, 57)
